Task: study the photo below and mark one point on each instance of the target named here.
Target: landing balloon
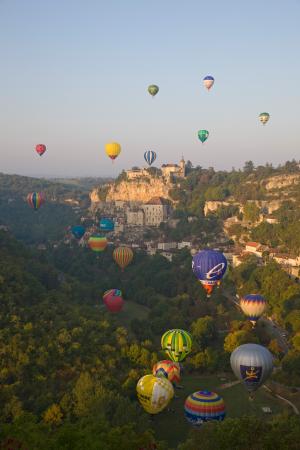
(177, 344)
(253, 306)
(252, 364)
(40, 149)
(209, 266)
(153, 89)
(168, 369)
(113, 300)
(208, 82)
(97, 243)
(150, 157)
(204, 406)
(203, 135)
(113, 149)
(35, 200)
(264, 117)
(78, 231)
(154, 393)
(123, 256)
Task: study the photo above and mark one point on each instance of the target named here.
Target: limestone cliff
(282, 181)
(134, 191)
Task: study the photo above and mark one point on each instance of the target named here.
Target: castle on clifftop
(168, 171)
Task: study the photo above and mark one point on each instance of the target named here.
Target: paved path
(295, 409)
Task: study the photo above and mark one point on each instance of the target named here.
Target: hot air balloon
(203, 135)
(97, 243)
(168, 369)
(209, 266)
(154, 393)
(208, 82)
(264, 117)
(113, 149)
(113, 300)
(106, 224)
(153, 89)
(203, 406)
(177, 344)
(252, 364)
(150, 157)
(78, 231)
(40, 149)
(35, 200)
(253, 306)
(123, 256)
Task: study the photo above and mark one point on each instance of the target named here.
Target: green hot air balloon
(203, 135)
(153, 89)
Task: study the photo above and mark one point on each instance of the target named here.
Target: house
(135, 217)
(156, 211)
(184, 244)
(169, 170)
(167, 255)
(166, 245)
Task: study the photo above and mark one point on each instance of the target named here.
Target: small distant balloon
(208, 82)
(113, 149)
(203, 135)
(150, 157)
(253, 306)
(264, 117)
(153, 89)
(35, 200)
(97, 243)
(78, 231)
(40, 149)
(106, 224)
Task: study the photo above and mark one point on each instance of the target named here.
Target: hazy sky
(74, 75)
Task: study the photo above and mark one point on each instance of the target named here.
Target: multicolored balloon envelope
(106, 224)
(35, 200)
(209, 266)
(150, 157)
(113, 300)
(113, 149)
(153, 89)
(97, 243)
(123, 256)
(78, 231)
(253, 306)
(203, 406)
(208, 82)
(40, 149)
(177, 344)
(203, 135)
(154, 393)
(168, 369)
(264, 117)
(252, 364)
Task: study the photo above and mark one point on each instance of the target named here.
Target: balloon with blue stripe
(78, 231)
(150, 157)
(203, 406)
(253, 306)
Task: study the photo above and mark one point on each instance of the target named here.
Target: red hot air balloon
(40, 149)
(113, 300)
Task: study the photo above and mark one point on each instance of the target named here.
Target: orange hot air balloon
(97, 243)
(123, 256)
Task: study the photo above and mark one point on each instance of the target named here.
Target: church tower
(182, 167)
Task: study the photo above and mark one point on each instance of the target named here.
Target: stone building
(156, 211)
(175, 170)
(135, 217)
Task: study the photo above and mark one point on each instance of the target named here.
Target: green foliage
(251, 212)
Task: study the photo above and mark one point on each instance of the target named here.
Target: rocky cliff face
(282, 181)
(135, 191)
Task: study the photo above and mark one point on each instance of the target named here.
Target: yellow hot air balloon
(154, 393)
(113, 149)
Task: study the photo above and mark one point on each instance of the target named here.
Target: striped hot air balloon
(177, 344)
(97, 243)
(150, 157)
(203, 406)
(35, 200)
(168, 369)
(123, 256)
(154, 393)
(253, 306)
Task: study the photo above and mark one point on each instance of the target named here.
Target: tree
(248, 167)
(237, 338)
(204, 330)
(53, 415)
(251, 212)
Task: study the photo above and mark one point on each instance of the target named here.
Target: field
(172, 426)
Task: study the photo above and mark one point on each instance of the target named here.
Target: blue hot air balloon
(106, 224)
(78, 231)
(209, 266)
(150, 157)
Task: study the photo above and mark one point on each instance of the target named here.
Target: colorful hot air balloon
(150, 157)
(208, 82)
(123, 256)
(113, 149)
(153, 89)
(78, 231)
(168, 369)
(106, 224)
(113, 300)
(40, 149)
(203, 135)
(177, 344)
(252, 364)
(264, 117)
(203, 406)
(154, 393)
(35, 200)
(209, 266)
(97, 243)
(253, 306)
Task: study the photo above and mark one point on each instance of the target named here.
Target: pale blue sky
(74, 75)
